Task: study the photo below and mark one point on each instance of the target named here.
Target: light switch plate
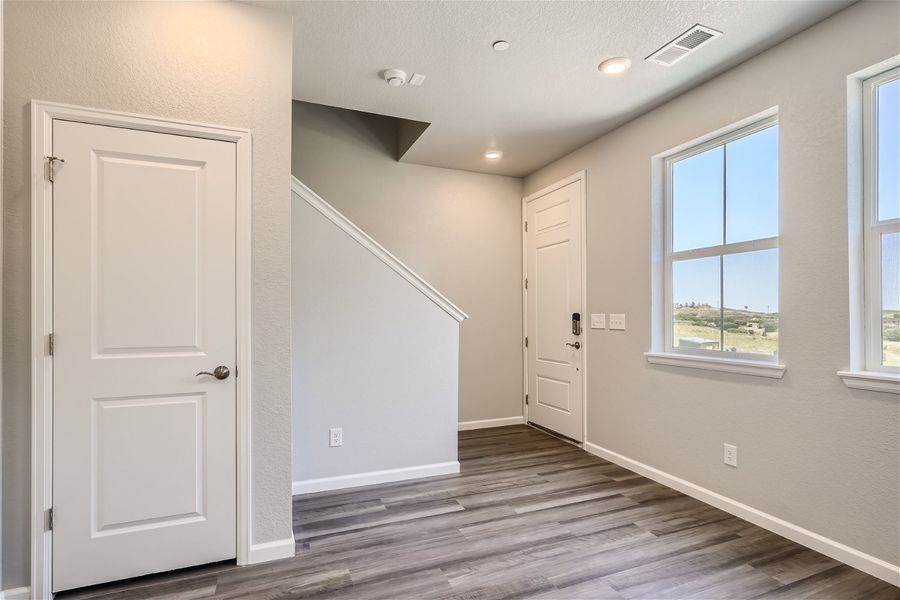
(617, 322)
(598, 320)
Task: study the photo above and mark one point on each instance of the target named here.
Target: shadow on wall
(458, 230)
(392, 136)
(375, 353)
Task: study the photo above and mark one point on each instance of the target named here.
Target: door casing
(581, 178)
(42, 116)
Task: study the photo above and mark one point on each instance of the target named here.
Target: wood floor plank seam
(527, 516)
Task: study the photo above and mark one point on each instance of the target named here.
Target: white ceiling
(541, 98)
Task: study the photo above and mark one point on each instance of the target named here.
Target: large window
(722, 246)
(881, 192)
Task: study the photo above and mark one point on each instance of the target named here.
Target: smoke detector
(683, 45)
(394, 77)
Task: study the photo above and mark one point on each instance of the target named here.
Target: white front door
(554, 294)
(144, 299)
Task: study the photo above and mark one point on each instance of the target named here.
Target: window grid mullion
(885, 227)
(724, 244)
(734, 248)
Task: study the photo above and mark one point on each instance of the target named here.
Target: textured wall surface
(458, 230)
(372, 355)
(812, 451)
(220, 63)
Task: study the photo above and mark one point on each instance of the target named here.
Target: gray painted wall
(372, 355)
(458, 230)
(812, 451)
(204, 62)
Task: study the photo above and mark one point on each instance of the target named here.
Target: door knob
(220, 372)
(576, 345)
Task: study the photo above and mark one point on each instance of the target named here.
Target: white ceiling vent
(683, 45)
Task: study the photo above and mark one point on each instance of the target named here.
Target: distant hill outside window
(723, 252)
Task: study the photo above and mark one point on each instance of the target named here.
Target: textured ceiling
(544, 96)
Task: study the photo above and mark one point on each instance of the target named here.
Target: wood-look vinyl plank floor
(528, 516)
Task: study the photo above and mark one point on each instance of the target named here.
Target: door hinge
(50, 344)
(526, 225)
(50, 519)
(51, 163)
(526, 283)
(526, 398)
(526, 342)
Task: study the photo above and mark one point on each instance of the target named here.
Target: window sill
(874, 381)
(756, 368)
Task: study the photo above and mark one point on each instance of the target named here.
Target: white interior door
(554, 354)
(144, 298)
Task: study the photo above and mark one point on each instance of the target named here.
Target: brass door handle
(576, 345)
(220, 372)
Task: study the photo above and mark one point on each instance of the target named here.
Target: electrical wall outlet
(617, 322)
(729, 455)
(335, 437)
(598, 321)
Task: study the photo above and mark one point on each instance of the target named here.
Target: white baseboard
(260, 553)
(836, 550)
(19, 593)
(485, 423)
(308, 486)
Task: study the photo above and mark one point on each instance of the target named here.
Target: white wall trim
(873, 381)
(267, 551)
(366, 241)
(42, 116)
(19, 593)
(717, 363)
(486, 423)
(308, 486)
(2, 67)
(836, 550)
(581, 177)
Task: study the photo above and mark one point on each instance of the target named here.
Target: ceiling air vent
(683, 45)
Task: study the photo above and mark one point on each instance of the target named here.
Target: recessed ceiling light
(612, 66)
(500, 45)
(493, 154)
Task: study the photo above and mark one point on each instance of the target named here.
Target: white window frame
(720, 250)
(872, 228)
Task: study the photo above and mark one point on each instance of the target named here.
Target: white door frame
(42, 116)
(581, 177)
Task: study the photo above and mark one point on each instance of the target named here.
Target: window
(881, 218)
(722, 246)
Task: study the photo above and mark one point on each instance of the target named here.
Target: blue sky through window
(890, 271)
(889, 150)
(889, 189)
(752, 187)
(737, 182)
(697, 197)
